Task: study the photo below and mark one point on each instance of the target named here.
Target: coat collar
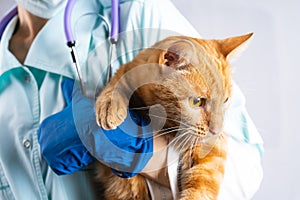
(7, 59)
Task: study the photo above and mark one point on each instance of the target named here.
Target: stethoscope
(113, 30)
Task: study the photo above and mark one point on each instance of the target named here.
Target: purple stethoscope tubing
(6, 19)
(115, 21)
(67, 22)
(115, 18)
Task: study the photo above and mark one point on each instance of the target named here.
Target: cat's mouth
(204, 135)
(187, 140)
(213, 132)
(205, 132)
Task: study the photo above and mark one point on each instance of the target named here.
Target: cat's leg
(202, 180)
(113, 101)
(116, 188)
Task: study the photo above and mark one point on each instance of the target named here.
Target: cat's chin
(210, 136)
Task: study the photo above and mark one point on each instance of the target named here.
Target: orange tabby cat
(191, 80)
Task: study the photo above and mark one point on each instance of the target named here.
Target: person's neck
(26, 30)
(29, 25)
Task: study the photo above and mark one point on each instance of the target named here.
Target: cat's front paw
(111, 110)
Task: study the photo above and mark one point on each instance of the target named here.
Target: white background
(268, 72)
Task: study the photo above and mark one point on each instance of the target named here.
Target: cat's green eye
(197, 101)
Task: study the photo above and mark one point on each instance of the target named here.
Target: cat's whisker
(168, 132)
(141, 108)
(193, 145)
(148, 107)
(183, 144)
(162, 134)
(182, 138)
(174, 120)
(156, 134)
(163, 117)
(176, 145)
(170, 128)
(188, 131)
(176, 139)
(195, 140)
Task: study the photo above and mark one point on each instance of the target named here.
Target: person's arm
(71, 138)
(72, 153)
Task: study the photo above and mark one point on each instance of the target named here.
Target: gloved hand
(71, 138)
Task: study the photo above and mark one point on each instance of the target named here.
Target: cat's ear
(231, 47)
(178, 55)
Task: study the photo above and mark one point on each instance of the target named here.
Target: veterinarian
(44, 116)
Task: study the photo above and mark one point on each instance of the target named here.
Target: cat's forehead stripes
(213, 67)
(196, 81)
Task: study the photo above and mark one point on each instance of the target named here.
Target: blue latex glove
(71, 139)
